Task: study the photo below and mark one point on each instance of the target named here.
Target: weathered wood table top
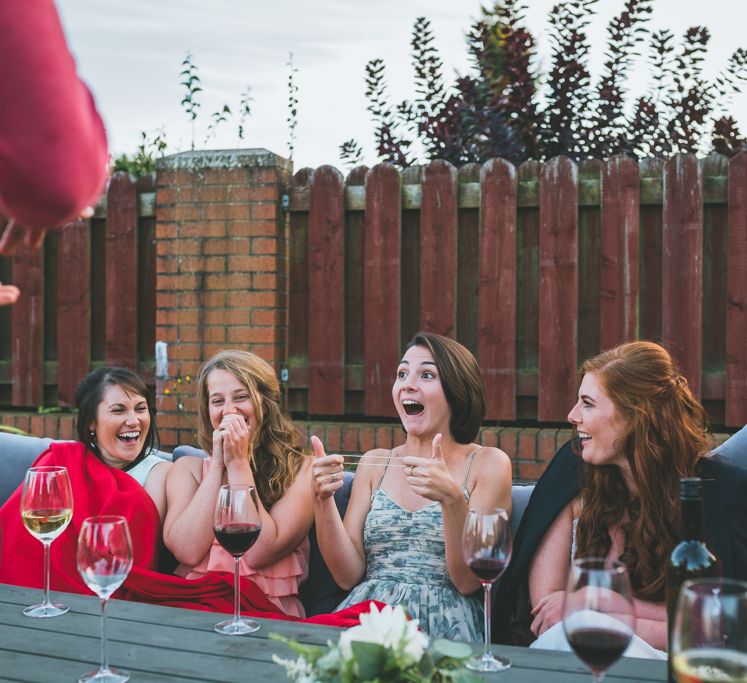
(165, 645)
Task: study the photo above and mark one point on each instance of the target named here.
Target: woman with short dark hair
(400, 542)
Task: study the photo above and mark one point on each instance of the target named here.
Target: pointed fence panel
(326, 292)
(682, 265)
(73, 309)
(28, 329)
(383, 241)
(558, 254)
(438, 249)
(618, 315)
(736, 313)
(121, 276)
(497, 297)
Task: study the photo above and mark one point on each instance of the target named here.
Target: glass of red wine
(237, 526)
(486, 548)
(598, 614)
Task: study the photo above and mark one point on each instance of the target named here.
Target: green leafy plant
(143, 162)
(191, 82)
(386, 646)
(498, 110)
(292, 118)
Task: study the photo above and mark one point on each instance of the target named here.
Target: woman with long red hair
(639, 429)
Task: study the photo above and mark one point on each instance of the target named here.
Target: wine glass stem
(104, 656)
(46, 572)
(236, 587)
(486, 591)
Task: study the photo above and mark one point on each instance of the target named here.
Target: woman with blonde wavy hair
(615, 493)
(249, 441)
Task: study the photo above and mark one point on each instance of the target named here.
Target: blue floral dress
(406, 565)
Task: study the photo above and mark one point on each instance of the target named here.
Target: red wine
(237, 538)
(487, 568)
(599, 648)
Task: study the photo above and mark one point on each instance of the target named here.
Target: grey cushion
(17, 454)
(320, 594)
(520, 495)
(181, 451)
(734, 449)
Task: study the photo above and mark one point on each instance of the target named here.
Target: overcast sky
(130, 54)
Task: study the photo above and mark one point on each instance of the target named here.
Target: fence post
(221, 269)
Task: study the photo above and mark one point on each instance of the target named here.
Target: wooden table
(163, 644)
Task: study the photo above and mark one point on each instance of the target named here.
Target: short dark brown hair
(89, 393)
(462, 382)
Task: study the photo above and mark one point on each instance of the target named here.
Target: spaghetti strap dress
(406, 565)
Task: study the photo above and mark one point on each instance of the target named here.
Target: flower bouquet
(386, 646)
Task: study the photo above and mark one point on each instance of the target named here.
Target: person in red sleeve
(53, 151)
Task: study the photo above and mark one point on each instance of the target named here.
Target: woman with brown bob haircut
(250, 442)
(400, 541)
(639, 429)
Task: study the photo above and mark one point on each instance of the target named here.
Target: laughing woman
(400, 542)
(250, 442)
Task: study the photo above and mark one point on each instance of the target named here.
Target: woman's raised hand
(235, 433)
(328, 471)
(429, 477)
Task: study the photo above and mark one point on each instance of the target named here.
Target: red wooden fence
(533, 268)
(88, 297)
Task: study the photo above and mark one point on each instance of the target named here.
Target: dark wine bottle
(691, 557)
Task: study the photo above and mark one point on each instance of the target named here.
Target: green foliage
(497, 109)
(292, 118)
(143, 162)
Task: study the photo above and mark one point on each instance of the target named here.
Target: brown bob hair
(461, 381)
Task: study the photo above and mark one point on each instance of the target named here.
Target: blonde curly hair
(274, 452)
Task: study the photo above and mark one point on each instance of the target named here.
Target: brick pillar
(222, 270)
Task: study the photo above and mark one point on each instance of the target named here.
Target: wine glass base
(44, 610)
(105, 676)
(236, 628)
(488, 663)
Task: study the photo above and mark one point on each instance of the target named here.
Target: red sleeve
(53, 151)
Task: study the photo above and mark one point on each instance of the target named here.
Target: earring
(92, 437)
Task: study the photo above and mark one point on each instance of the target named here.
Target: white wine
(46, 525)
(712, 665)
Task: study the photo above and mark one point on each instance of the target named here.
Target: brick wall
(221, 267)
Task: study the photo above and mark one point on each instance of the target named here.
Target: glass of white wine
(46, 510)
(709, 639)
(104, 560)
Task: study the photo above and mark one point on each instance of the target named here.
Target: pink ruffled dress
(279, 581)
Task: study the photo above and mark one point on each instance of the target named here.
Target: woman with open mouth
(400, 542)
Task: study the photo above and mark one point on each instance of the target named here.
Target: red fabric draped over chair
(102, 490)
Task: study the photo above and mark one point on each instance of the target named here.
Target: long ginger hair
(667, 434)
(274, 452)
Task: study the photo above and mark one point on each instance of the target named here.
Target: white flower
(389, 628)
(297, 670)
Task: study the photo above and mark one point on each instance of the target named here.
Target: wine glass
(237, 526)
(709, 639)
(104, 560)
(486, 548)
(598, 613)
(46, 510)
